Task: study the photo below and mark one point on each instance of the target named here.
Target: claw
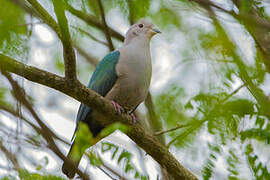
(117, 107)
(133, 117)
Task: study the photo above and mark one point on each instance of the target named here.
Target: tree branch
(257, 26)
(7, 108)
(107, 31)
(172, 129)
(44, 15)
(11, 157)
(242, 17)
(81, 93)
(154, 121)
(68, 51)
(90, 59)
(45, 131)
(131, 12)
(90, 35)
(93, 21)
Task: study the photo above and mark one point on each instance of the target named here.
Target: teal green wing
(102, 81)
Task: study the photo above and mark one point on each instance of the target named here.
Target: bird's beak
(156, 30)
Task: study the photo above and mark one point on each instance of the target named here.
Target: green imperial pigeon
(123, 76)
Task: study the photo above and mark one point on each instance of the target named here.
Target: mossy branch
(81, 93)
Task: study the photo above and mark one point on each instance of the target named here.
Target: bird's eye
(140, 25)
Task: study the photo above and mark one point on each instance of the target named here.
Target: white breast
(134, 72)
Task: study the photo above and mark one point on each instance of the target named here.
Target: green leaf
(259, 170)
(3, 92)
(58, 63)
(139, 8)
(209, 164)
(232, 161)
(94, 160)
(25, 175)
(8, 178)
(84, 140)
(165, 17)
(124, 155)
(256, 133)
(12, 29)
(112, 127)
(124, 158)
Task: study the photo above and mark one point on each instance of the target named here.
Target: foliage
(256, 133)
(210, 161)
(12, 31)
(83, 141)
(112, 127)
(228, 103)
(124, 157)
(25, 175)
(260, 171)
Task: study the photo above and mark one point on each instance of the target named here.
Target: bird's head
(143, 29)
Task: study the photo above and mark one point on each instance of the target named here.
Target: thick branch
(78, 91)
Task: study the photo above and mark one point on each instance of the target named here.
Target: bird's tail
(67, 168)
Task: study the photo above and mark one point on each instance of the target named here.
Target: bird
(123, 76)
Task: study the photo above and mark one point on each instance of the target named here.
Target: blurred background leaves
(210, 79)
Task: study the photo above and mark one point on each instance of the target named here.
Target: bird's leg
(117, 107)
(133, 117)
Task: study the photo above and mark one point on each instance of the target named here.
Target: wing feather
(102, 81)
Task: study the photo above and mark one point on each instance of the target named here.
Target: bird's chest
(134, 76)
(135, 69)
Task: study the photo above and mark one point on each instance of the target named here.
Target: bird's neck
(139, 41)
(137, 48)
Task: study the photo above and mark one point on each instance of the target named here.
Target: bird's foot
(117, 107)
(133, 117)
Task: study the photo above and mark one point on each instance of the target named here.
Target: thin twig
(40, 12)
(30, 24)
(234, 92)
(93, 21)
(179, 126)
(45, 131)
(90, 59)
(111, 170)
(153, 119)
(90, 35)
(107, 31)
(11, 157)
(8, 109)
(206, 118)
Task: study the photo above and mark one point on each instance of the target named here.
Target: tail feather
(95, 129)
(66, 168)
